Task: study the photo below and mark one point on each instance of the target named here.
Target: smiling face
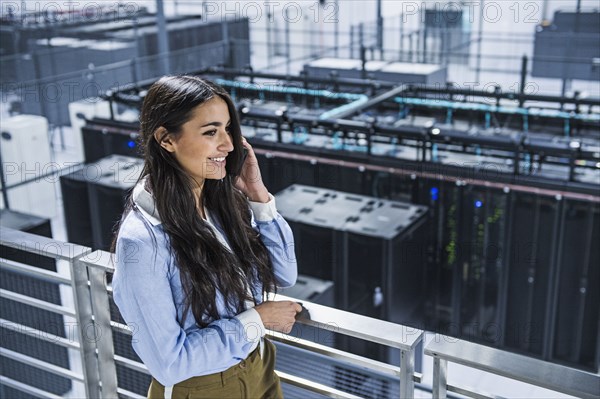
(203, 142)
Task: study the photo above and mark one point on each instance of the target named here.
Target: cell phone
(303, 314)
(244, 156)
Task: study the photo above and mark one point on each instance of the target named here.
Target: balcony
(106, 367)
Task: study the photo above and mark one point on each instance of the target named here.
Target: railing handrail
(78, 281)
(41, 245)
(32, 271)
(363, 327)
(382, 332)
(518, 367)
(324, 317)
(93, 266)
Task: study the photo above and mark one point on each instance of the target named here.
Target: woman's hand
(278, 315)
(249, 180)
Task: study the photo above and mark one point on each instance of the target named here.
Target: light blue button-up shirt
(147, 290)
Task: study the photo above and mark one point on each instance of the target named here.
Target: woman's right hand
(278, 315)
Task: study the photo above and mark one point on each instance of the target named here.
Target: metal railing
(88, 280)
(89, 275)
(82, 309)
(555, 377)
(402, 337)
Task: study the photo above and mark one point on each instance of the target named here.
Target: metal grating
(334, 373)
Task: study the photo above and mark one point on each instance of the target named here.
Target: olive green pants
(253, 377)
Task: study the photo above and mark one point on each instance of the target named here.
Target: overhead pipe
(357, 99)
(289, 90)
(356, 108)
(548, 113)
(409, 88)
(452, 91)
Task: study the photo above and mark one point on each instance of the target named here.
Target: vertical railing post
(352, 41)
(83, 309)
(104, 339)
(440, 367)
(407, 368)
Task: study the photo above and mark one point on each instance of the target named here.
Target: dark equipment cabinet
(480, 262)
(75, 195)
(99, 142)
(530, 271)
(575, 333)
(316, 228)
(93, 199)
(385, 250)
(107, 196)
(52, 324)
(374, 249)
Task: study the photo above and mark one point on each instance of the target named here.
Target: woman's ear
(164, 139)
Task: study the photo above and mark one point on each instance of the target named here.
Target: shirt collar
(144, 201)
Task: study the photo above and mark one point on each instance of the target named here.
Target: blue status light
(131, 144)
(434, 193)
(478, 204)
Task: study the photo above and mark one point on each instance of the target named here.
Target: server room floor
(457, 375)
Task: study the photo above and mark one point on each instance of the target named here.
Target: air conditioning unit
(25, 151)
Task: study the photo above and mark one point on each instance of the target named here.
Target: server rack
(374, 249)
(93, 199)
(75, 195)
(451, 167)
(100, 141)
(575, 329)
(315, 224)
(107, 196)
(530, 271)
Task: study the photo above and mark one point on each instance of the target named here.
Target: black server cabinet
(93, 199)
(48, 322)
(534, 239)
(78, 221)
(469, 259)
(384, 266)
(575, 333)
(385, 252)
(107, 196)
(444, 231)
(349, 180)
(482, 263)
(94, 147)
(279, 173)
(316, 225)
(101, 142)
(375, 250)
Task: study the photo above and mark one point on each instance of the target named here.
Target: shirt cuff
(264, 212)
(254, 329)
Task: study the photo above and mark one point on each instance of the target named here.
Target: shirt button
(243, 364)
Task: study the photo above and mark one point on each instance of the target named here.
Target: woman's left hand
(249, 180)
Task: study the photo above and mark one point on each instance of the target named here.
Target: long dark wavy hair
(205, 266)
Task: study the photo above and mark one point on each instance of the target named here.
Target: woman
(198, 249)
